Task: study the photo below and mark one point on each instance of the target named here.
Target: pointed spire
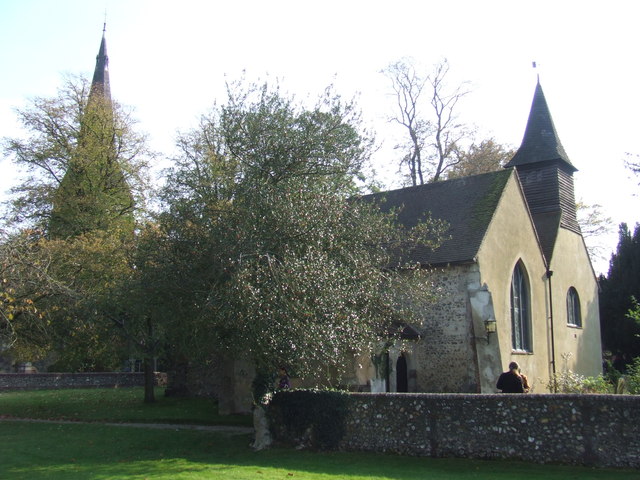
(541, 142)
(100, 83)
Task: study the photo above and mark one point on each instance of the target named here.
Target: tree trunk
(149, 381)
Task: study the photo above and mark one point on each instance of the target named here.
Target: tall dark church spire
(541, 142)
(546, 175)
(100, 83)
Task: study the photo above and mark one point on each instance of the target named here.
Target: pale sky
(169, 61)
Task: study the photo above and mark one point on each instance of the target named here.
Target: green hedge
(313, 417)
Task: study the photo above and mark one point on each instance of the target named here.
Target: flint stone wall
(596, 430)
(447, 335)
(42, 381)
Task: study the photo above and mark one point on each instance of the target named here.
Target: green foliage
(632, 378)
(634, 312)
(19, 314)
(260, 246)
(484, 157)
(83, 161)
(313, 416)
(93, 193)
(280, 264)
(620, 331)
(570, 382)
(611, 374)
(85, 169)
(83, 296)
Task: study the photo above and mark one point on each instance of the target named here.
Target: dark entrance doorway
(402, 377)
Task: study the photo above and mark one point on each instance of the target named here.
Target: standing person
(511, 381)
(283, 383)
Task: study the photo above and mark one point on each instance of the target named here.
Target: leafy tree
(86, 170)
(47, 308)
(84, 301)
(23, 327)
(433, 129)
(620, 333)
(633, 376)
(486, 156)
(83, 161)
(293, 271)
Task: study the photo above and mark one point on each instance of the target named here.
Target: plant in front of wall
(571, 382)
(314, 418)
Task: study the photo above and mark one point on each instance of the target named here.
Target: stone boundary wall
(42, 381)
(596, 430)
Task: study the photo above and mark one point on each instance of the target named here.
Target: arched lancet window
(574, 316)
(520, 310)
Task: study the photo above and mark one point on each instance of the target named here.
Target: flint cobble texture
(37, 381)
(596, 430)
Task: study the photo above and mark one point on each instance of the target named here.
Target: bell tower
(545, 171)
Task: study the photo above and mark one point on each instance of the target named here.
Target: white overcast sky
(169, 59)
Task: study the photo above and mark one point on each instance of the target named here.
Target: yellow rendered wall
(577, 349)
(511, 238)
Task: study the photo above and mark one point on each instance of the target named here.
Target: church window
(520, 310)
(574, 317)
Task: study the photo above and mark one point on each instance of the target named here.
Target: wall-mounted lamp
(490, 326)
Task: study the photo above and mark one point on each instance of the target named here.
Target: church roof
(100, 82)
(540, 142)
(466, 204)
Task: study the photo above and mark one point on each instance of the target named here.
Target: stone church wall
(445, 357)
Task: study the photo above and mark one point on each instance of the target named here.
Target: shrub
(570, 382)
(262, 387)
(633, 377)
(314, 417)
(611, 374)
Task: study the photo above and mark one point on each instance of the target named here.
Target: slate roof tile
(467, 205)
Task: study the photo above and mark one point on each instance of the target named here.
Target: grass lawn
(37, 451)
(52, 451)
(114, 405)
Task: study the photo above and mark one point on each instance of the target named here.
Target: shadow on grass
(49, 451)
(114, 405)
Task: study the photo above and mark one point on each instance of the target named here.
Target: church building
(514, 278)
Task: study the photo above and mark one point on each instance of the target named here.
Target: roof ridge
(430, 185)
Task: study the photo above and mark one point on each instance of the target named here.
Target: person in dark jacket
(511, 381)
